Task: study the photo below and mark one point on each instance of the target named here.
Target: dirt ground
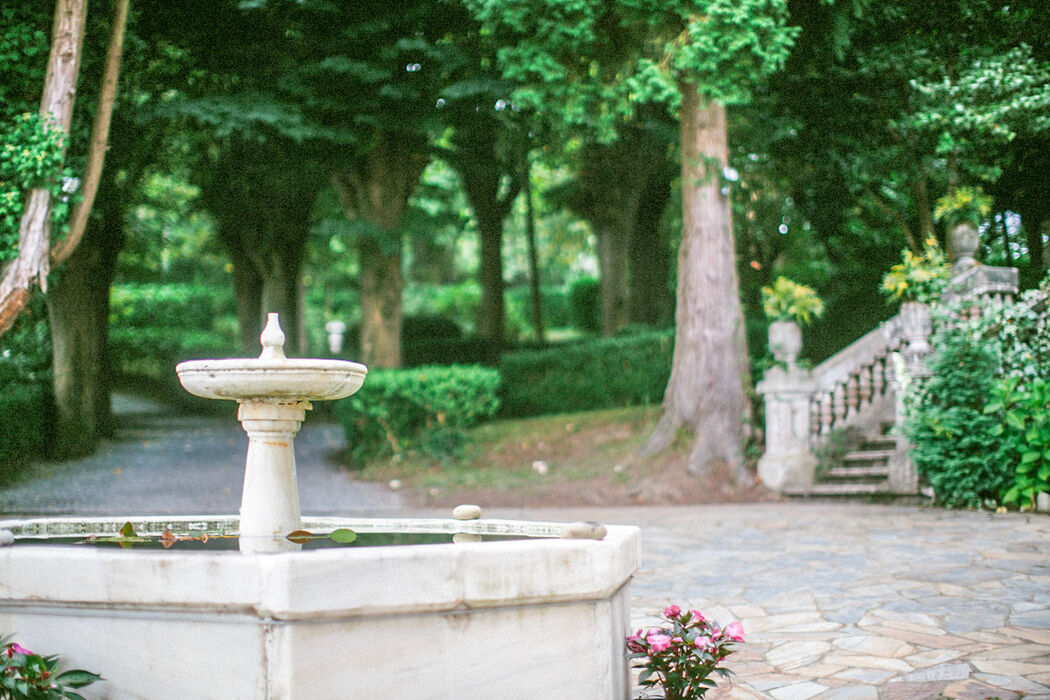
(582, 459)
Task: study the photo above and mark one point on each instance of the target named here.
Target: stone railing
(859, 386)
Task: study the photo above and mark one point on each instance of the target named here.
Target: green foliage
(26, 410)
(185, 306)
(1023, 412)
(606, 373)
(982, 370)
(424, 409)
(585, 304)
(25, 675)
(963, 205)
(789, 301)
(956, 446)
(917, 277)
(30, 156)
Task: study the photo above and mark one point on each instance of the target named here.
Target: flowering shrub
(918, 277)
(680, 655)
(24, 674)
(787, 300)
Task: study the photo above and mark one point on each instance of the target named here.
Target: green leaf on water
(128, 530)
(343, 536)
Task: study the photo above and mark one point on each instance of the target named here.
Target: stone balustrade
(860, 385)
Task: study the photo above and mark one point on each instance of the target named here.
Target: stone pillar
(916, 327)
(962, 244)
(788, 463)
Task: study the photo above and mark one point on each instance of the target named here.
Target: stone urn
(962, 241)
(785, 341)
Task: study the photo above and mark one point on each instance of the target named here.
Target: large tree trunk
(375, 188)
(34, 237)
(78, 309)
(247, 291)
(381, 287)
(649, 268)
(706, 390)
(482, 184)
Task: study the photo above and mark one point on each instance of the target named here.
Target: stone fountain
(542, 617)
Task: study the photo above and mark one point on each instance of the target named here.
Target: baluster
(852, 396)
(878, 378)
(825, 413)
(839, 405)
(814, 418)
(864, 384)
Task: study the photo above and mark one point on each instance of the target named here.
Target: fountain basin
(522, 619)
(271, 380)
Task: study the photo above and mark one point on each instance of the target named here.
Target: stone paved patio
(855, 602)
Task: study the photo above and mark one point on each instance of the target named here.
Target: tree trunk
(248, 296)
(613, 242)
(706, 390)
(381, 287)
(31, 266)
(534, 264)
(649, 298)
(99, 136)
(280, 277)
(491, 310)
(375, 188)
(78, 309)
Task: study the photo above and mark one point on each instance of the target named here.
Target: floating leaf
(128, 530)
(167, 539)
(300, 536)
(343, 536)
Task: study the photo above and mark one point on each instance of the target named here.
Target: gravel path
(162, 463)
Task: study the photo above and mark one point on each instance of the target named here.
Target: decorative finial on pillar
(272, 339)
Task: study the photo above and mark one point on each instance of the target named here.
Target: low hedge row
(26, 412)
(423, 409)
(167, 305)
(605, 373)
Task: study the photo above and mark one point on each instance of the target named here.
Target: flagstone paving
(854, 601)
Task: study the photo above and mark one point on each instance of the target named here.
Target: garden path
(164, 462)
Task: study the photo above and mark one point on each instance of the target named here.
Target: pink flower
(735, 631)
(698, 617)
(13, 649)
(672, 611)
(658, 642)
(634, 642)
(704, 643)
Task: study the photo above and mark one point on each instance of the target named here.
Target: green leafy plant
(963, 205)
(30, 676)
(680, 655)
(603, 373)
(917, 277)
(786, 300)
(424, 409)
(1024, 413)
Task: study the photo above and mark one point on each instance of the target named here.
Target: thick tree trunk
(706, 390)
(375, 187)
(482, 184)
(381, 287)
(613, 242)
(78, 309)
(34, 239)
(248, 296)
(534, 263)
(281, 277)
(649, 299)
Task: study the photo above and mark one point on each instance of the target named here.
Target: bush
(195, 306)
(960, 445)
(585, 304)
(424, 409)
(26, 410)
(606, 373)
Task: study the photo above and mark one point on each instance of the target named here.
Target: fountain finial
(272, 339)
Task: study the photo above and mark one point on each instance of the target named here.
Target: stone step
(867, 456)
(868, 471)
(840, 490)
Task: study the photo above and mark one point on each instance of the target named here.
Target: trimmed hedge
(606, 373)
(585, 304)
(423, 409)
(168, 305)
(26, 410)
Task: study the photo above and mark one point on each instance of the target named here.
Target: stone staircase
(857, 392)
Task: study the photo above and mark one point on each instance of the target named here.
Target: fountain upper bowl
(271, 379)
